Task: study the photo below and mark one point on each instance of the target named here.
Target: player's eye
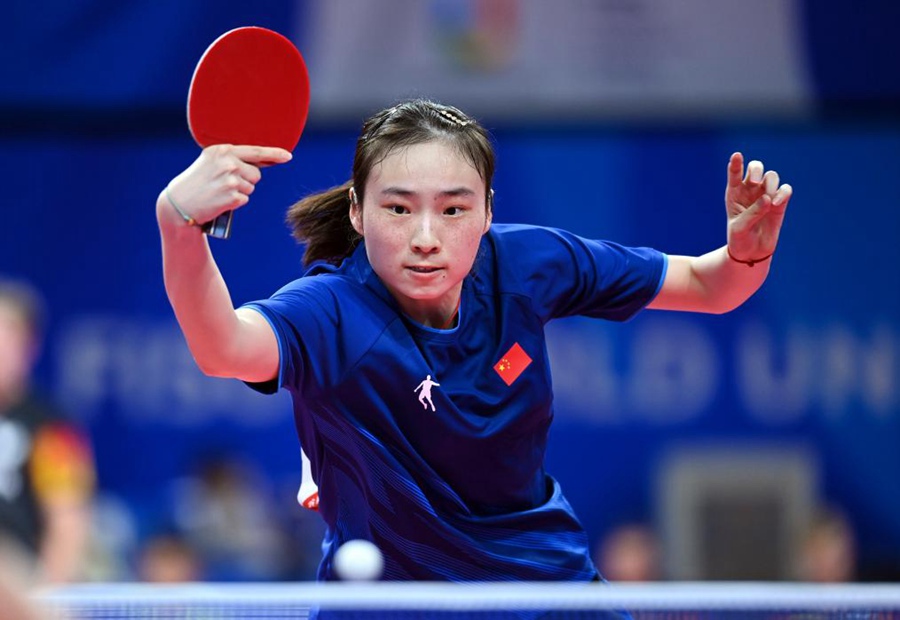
(455, 210)
(397, 209)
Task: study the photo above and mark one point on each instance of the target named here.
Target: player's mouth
(424, 269)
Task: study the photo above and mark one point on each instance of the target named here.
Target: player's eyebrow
(454, 192)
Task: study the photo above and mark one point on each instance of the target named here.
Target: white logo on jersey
(425, 394)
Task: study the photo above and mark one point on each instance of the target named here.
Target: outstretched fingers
(782, 197)
(755, 212)
(770, 181)
(735, 170)
(773, 204)
(746, 187)
(754, 173)
(261, 155)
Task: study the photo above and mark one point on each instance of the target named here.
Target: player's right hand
(221, 179)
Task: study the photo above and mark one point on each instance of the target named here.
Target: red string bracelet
(747, 262)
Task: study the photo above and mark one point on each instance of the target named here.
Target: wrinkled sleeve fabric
(567, 275)
(304, 319)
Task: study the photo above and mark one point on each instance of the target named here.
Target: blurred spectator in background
(168, 558)
(828, 551)
(629, 552)
(46, 466)
(226, 514)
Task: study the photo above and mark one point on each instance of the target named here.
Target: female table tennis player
(410, 284)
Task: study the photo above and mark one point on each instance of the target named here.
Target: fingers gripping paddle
(250, 87)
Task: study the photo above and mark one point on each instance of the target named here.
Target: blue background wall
(92, 129)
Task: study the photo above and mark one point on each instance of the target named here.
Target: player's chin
(427, 291)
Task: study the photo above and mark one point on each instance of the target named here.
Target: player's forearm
(725, 284)
(197, 292)
(712, 283)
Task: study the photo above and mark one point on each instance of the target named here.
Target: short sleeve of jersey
(304, 320)
(567, 275)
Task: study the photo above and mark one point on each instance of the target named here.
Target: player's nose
(426, 238)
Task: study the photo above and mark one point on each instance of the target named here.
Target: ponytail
(322, 222)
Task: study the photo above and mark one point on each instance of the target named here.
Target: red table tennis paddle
(250, 87)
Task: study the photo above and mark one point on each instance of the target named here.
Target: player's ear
(355, 212)
(488, 213)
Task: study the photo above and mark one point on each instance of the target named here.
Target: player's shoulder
(518, 248)
(511, 233)
(323, 278)
(324, 292)
(530, 240)
(346, 296)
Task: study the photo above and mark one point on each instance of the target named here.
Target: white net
(669, 601)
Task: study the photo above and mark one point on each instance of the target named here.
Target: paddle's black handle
(220, 228)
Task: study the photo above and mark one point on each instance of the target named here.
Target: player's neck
(436, 314)
(452, 321)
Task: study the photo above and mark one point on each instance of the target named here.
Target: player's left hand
(756, 205)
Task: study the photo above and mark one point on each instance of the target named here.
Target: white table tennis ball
(358, 560)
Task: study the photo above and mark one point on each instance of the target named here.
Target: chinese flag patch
(512, 364)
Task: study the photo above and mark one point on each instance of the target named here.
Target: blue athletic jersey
(429, 442)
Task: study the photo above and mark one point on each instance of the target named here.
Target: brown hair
(322, 221)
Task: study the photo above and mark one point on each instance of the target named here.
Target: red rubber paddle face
(250, 87)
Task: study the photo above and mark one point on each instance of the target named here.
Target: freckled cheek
(466, 247)
(389, 240)
(387, 256)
